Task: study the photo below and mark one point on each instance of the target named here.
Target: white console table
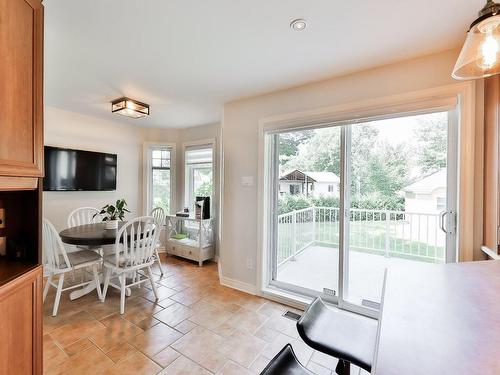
(199, 244)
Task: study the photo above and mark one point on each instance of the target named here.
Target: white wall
(72, 130)
(240, 144)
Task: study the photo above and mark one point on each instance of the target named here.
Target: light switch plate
(3, 246)
(2, 217)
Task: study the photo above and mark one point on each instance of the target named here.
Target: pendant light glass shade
(480, 55)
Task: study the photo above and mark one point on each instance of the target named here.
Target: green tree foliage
(431, 136)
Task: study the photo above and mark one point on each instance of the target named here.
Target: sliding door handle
(442, 215)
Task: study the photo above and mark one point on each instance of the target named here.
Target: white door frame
(410, 104)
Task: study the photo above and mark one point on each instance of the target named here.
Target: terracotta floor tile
(231, 368)
(188, 297)
(283, 325)
(267, 334)
(324, 360)
(198, 327)
(201, 346)
(118, 330)
(53, 355)
(211, 317)
(174, 314)
(79, 346)
(166, 356)
(185, 326)
(184, 366)
(134, 364)
(156, 339)
(120, 351)
(89, 362)
(318, 369)
(242, 347)
(163, 292)
(259, 364)
(247, 321)
(302, 351)
(80, 326)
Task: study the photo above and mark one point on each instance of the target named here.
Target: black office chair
(349, 337)
(285, 363)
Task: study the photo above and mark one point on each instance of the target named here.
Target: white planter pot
(111, 224)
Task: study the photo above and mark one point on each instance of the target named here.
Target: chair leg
(58, 294)
(97, 281)
(122, 293)
(47, 286)
(107, 276)
(159, 261)
(153, 284)
(343, 368)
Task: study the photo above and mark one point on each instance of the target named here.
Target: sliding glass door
(351, 199)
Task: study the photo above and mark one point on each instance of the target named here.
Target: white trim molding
(146, 167)
(410, 103)
(238, 285)
(490, 253)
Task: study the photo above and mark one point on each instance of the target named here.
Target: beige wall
(241, 135)
(73, 130)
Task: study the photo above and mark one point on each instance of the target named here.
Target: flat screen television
(78, 170)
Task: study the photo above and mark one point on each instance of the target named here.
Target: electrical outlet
(2, 217)
(249, 263)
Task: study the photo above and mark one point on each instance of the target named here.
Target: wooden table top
(441, 320)
(90, 234)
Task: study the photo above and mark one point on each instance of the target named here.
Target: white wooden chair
(134, 253)
(58, 262)
(159, 214)
(83, 215)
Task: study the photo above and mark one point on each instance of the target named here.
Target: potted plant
(112, 214)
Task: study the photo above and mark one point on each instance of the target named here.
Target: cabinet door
(21, 325)
(21, 91)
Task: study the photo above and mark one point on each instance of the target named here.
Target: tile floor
(196, 327)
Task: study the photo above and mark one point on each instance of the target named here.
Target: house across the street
(310, 183)
(427, 195)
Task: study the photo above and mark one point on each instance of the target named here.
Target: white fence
(389, 233)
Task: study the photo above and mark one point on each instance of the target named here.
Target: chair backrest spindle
(82, 216)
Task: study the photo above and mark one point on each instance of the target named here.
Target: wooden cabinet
(21, 169)
(491, 196)
(21, 88)
(21, 324)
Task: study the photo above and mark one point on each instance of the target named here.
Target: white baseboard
(238, 285)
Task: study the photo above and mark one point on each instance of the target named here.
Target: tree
(431, 134)
(288, 144)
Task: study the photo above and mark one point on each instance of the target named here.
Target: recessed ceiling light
(298, 25)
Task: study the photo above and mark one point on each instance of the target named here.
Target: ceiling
(186, 58)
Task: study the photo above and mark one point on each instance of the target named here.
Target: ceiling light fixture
(130, 108)
(298, 25)
(480, 55)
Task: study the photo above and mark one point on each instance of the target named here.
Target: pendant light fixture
(480, 55)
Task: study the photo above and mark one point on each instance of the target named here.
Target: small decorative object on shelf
(112, 214)
(184, 213)
(190, 238)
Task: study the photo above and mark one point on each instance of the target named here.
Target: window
(331, 188)
(441, 203)
(294, 189)
(198, 174)
(159, 178)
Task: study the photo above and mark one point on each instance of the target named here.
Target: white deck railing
(390, 233)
